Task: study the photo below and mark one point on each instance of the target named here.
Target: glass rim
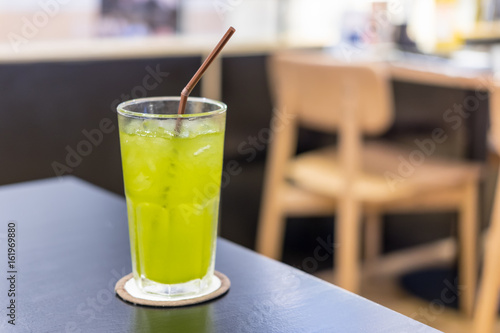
(120, 109)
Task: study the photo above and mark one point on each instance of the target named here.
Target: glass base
(190, 288)
(134, 290)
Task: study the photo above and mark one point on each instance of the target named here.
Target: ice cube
(201, 150)
(149, 127)
(167, 127)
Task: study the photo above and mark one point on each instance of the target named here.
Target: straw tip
(231, 29)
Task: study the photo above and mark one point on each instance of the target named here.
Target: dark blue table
(71, 246)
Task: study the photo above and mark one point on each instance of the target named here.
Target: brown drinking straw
(197, 76)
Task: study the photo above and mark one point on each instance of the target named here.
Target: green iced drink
(172, 185)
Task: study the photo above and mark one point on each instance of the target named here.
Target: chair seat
(388, 173)
(300, 202)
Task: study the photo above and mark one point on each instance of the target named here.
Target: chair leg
(487, 302)
(347, 240)
(373, 237)
(270, 234)
(486, 310)
(468, 252)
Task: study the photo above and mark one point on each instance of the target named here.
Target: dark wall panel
(45, 107)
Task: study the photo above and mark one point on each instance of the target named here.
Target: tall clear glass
(172, 166)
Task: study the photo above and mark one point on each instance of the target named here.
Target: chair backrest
(318, 89)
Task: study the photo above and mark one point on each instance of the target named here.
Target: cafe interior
(362, 138)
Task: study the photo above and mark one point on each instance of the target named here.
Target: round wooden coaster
(124, 295)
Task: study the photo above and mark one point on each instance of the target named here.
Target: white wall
(35, 5)
(32, 20)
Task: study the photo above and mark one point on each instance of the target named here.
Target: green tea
(172, 185)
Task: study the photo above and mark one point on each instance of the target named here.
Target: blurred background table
(72, 246)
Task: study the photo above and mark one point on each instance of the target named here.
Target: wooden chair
(486, 310)
(355, 177)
